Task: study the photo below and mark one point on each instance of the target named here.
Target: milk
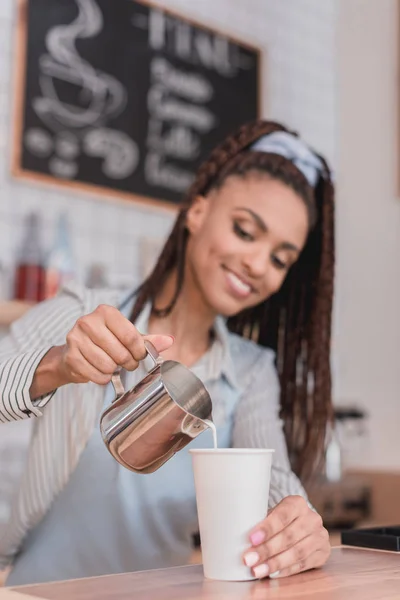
(213, 431)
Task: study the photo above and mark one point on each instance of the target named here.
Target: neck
(190, 321)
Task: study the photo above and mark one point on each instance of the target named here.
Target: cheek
(211, 246)
(273, 281)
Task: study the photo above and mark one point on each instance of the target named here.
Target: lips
(238, 286)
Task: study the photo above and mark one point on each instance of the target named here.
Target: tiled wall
(299, 87)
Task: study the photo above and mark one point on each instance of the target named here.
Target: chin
(226, 307)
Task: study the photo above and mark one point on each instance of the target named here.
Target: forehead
(280, 207)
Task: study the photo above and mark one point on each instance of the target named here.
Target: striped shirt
(66, 418)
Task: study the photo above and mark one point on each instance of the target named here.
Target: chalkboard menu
(125, 98)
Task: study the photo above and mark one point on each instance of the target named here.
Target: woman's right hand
(102, 341)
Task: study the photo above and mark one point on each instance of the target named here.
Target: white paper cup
(232, 488)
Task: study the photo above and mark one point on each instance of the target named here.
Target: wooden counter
(351, 574)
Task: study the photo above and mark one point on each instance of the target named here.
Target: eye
(278, 263)
(240, 232)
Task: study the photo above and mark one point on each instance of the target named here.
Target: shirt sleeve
(30, 338)
(258, 425)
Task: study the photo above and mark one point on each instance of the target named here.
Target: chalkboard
(125, 98)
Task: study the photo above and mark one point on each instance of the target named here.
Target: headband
(294, 149)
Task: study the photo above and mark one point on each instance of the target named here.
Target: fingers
(102, 341)
(310, 552)
(116, 355)
(81, 371)
(130, 338)
(101, 347)
(160, 342)
(317, 559)
(108, 329)
(287, 539)
(279, 519)
(98, 358)
(296, 555)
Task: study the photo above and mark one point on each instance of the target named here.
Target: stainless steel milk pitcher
(147, 424)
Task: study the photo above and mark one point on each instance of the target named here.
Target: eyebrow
(255, 216)
(289, 246)
(263, 227)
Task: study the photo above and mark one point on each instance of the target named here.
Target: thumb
(160, 342)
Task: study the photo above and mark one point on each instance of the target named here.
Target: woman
(250, 258)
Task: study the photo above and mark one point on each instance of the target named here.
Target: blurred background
(81, 129)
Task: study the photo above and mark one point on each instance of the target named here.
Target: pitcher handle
(117, 384)
(116, 377)
(154, 355)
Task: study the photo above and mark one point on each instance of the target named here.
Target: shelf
(12, 310)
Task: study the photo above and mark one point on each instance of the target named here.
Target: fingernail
(251, 558)
(261, 571)
(276, 574)
(257, 537)
(172, 337)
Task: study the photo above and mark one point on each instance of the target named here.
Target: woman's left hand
(291, 539)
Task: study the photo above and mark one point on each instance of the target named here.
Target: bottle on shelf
(29, 275)
(60, 264)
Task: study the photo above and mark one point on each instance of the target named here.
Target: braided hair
(296, 321)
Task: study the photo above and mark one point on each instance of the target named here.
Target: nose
(256, 262)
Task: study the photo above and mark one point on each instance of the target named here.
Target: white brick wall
(298, 37)
(367, 340)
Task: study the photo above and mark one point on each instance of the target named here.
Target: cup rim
(231, 450)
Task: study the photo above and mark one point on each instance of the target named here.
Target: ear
(197, 213)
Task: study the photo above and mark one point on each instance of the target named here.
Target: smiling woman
(244, 285)
(245, 235)
(259, 221)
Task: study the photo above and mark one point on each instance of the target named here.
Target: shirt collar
(221, 362)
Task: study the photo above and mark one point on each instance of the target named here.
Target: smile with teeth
(238, 285)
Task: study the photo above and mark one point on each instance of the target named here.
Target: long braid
(296, 321)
